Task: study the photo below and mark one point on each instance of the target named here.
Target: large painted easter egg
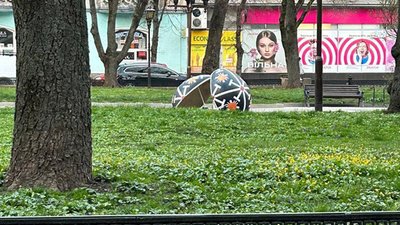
(193, 92)
(229, 91)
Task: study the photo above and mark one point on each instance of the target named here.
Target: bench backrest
(333, 88)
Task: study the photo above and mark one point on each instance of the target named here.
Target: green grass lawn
(260, 95)
(164, 160)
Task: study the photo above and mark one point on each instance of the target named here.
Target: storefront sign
(200, 37)
(199, 44)
(330, 16)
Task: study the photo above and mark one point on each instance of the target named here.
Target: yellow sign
(200, 37)
(197, 56)
(229, 57)
(199, 44)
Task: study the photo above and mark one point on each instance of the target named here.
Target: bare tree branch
(95, 31)
(156, 28)
(239, 48)
(137, 15)
(112, 16)
(304, 13)
(299, 4)
(163, 10)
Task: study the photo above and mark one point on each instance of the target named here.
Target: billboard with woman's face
(263, 52)
(347, 51)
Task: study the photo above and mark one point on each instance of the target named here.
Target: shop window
(7, 46)
(139, 39)
(137, 49)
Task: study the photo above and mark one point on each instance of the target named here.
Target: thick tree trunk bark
(394, 85)
(288, 30)
(239, 48)
(292, 59)
(288, 24)
(110, 68)
(212, 55)
(52, 145)
(394, 91)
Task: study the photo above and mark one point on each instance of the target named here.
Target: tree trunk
(111, 56)
(212, 55)
(289, 41)
(292, 59)
(52, 145)
(394, 91)
(394, 85)
(156, 28)
(288, 24)
(239, 48)
(110, 68)
(110, 78)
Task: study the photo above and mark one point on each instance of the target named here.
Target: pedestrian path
(325, 109)
(280, 107)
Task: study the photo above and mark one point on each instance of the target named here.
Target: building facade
(172, 48)
(355, 37)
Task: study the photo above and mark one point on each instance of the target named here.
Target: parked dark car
(7, 80)
(135, 74)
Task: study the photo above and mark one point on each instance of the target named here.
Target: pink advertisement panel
(308, 50)
(329, 16)
(348, 51)
(363, 52)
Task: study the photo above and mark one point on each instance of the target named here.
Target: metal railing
(354, 218)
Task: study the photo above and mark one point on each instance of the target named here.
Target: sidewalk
(280, 107)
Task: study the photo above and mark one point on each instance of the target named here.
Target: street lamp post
(318, 61)
(149, 17)
(189, 7)
(189, 4)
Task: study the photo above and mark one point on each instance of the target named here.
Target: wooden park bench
(333, 91)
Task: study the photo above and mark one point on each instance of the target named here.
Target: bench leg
(361, 102)
(307, 102)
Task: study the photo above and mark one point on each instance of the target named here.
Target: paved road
(284, 107)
